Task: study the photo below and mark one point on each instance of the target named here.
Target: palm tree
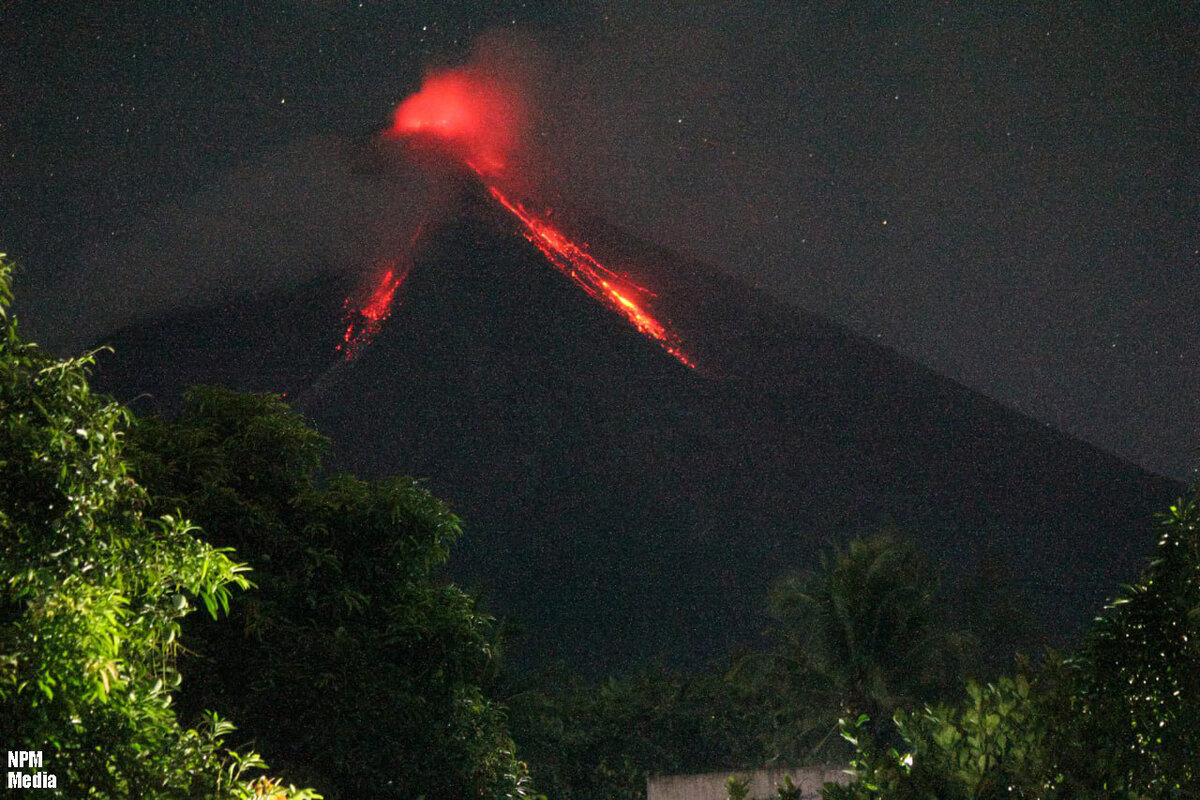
(861, 635)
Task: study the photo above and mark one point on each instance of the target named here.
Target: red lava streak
(613, 290)
(364, 320)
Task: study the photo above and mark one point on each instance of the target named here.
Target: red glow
(480, 119)
(613, 290)
(475, 115)
(363, 320)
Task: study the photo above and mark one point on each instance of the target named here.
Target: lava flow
(601, 283)
(478, 120)
(363, 320)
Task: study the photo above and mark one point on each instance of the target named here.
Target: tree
(860, 636)
(1131, 720)
(92, 593)
(1121, 718)
(353, 666)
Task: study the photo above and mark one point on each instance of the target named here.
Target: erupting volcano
(477, 120)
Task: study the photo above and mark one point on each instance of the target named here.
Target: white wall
(711, 786)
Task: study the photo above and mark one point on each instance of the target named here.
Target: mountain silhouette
(620, 506)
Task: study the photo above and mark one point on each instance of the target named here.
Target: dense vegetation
(94, 589)
(1120, 718)
(355, 668)
(352, 665)
(349, 661)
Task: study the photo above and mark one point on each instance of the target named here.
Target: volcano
(620, 505)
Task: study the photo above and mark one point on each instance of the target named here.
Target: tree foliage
(862, 635)
(601, 740)
(353, 666)
(863, 632)
(1131, 721)
(991, 747)
(1119, 719)
(93, 589)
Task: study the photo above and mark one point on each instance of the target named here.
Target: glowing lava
(363, 320)
(601, 283)
(479, 120)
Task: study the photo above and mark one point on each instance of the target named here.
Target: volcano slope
(620, 506)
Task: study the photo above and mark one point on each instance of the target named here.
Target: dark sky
(1009, 195)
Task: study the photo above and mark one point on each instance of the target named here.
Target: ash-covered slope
(620, 506)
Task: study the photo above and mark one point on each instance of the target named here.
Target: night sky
(1010, 196)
